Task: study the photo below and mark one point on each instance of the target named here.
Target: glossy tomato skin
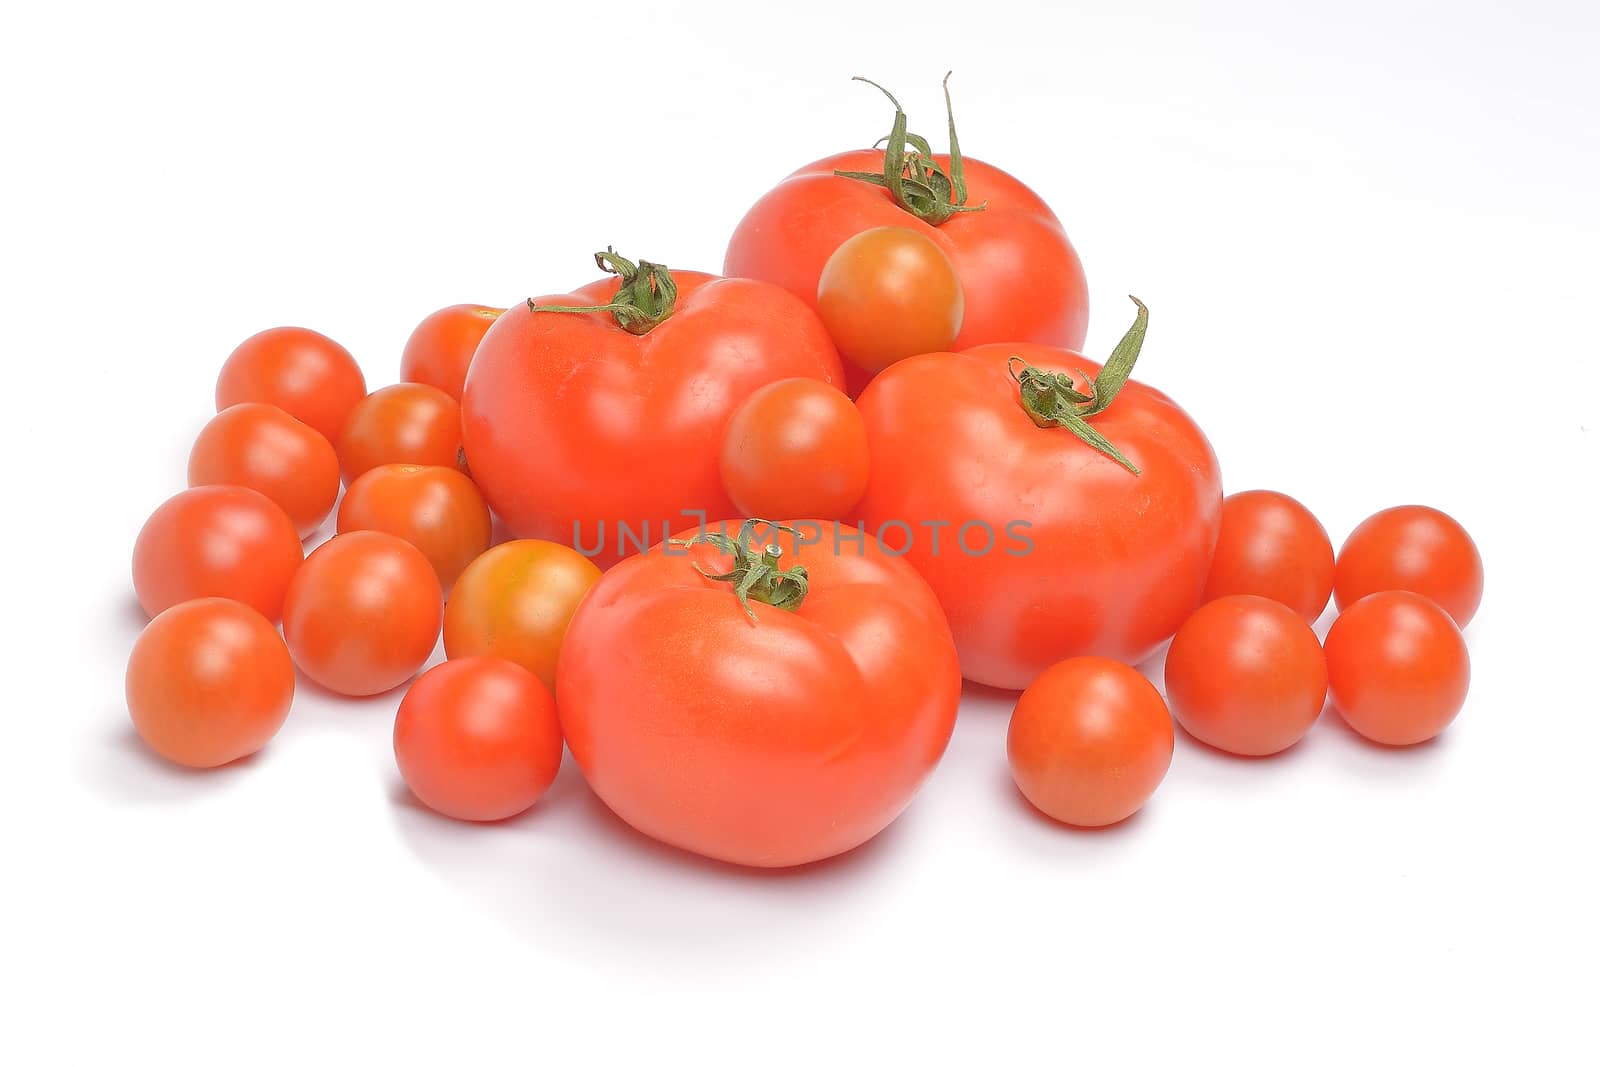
(575, 428)
(1270, 545)
(768, 743)
(440, 349)
(889, 293)
(266, 449)
(1398, 667)
(1020, 277)
(216, 541)
(1416, 548)
(405, 423)
(1065, 553)
(437, 509)
(309, 375)
(795, 447)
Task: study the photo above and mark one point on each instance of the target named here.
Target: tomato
(1271, 546)
(310, 376)
(1020, 277)
(405, 423)
(440, 349)
(209, 682)
(269, 450)
(1414, 548)
(1089, 741)
(437, 509)
(362, 615)
(477, 739)
(795, 447)
(600, 430)
(1398, 667)
(762, 709)
(888, 293)
(515, 602)
(1041, 544)
(1246, 674)
(216, 541)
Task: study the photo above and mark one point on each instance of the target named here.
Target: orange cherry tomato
(216, 540)
(795, 447)
(888, 293)
(440, 349)
(209, 682)
(478, 739)
(1397, 667)
(1271, 546)
(437, 509)
(269, 450)
(310, 376)
(1415, 548)
(362, 614)
(405, 423)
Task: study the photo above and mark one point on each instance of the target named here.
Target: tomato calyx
(1051, 399)
(914, 178)
(755, 574)
(643, 301)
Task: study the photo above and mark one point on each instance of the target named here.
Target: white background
(1367, 234)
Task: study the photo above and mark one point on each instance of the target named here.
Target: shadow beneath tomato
(1378, 762)
(123, 768)
(130, 617)
(987, 698)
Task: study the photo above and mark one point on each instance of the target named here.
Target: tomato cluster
(762, 525)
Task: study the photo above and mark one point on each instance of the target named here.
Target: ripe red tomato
(771, 733)
(1089, 741)
(216, 541)
(440, 349)
(1414, 548)
(795, 447)
(310, 376)
(437, 509)
(888, 293)
(209, 682)
(1271, 546)
(1397, 667)
(1246, 674)
(599, 430)
(405, 423)
(477, 739)
(362, 615)
(269, 450)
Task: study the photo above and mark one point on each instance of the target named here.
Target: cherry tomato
(1414, 548)
(478, 739)
(209, 682)
(405, 423)
(1245, 674)
(437, 509)
(1398, 667)
(269, 450)
(1271, 546)
(440, 349)
(515, 602)
(308, 375)
(1089, 741)
(795, 447)
(888, 293)
(362, 614)
(216, 540)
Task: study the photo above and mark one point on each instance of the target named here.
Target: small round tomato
(362, 614)
(437, 509)
(1089, 741)
(1397, 667)
(478, 739)
(269, 450)
(889, 293)
(209, 682)
(1415, 548)
(216, 540)
(310, 376)
(1271, 546)
(405, 423)
(440, 349)
(515, 602)
(795, 447)
(1245, 674)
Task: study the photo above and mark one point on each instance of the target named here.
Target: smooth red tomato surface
(437, 509)
(1039, 547)
(362, 614)
(889, 293)
(770, 741)
(1246, 674)
(440, 349)
(1415, 548)
(795, 447)
(310, 376)
(216, 541)
(1397, 667)
(1270, 545)
(209, 682)
(1089, 741)
(266, 449)
(478, 739)
(405, 423)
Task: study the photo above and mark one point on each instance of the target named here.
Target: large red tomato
(1009, 481)
(598, 429)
